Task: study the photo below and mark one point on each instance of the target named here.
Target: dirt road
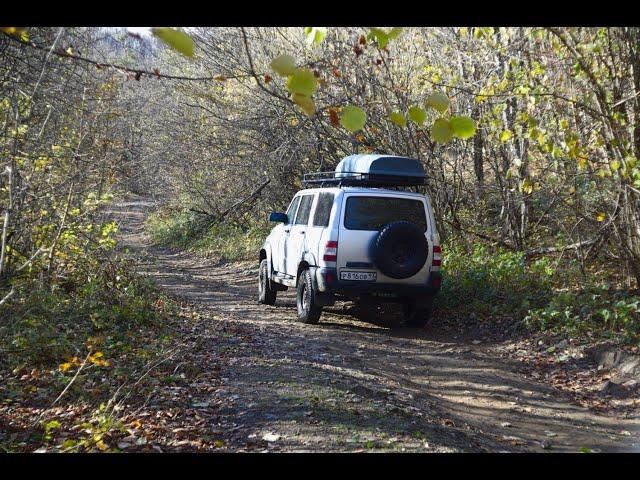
(345, 385)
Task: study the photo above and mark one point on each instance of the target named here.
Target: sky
(144, 31)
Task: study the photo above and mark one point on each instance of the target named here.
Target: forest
(530, 138)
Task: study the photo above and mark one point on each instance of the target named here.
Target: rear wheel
(308, 311)
(367, 311)
(416, 315)
(382, 314)
(266, 294)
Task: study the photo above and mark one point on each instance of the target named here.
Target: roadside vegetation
(228, 241)
(529, 137)
(537, 294)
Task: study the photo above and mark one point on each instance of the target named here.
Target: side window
(305, 209)
(291, 212)
(323, 210)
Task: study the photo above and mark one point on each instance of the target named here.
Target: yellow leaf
(601, 216)
(64, 367)
(135, 424)
(101, 445)
(506, 135)
(305, 102)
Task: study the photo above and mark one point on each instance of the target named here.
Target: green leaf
(176, 39)
(463, 127)
(306, 103)
(315, 34)
(441, 131)
(438, 101)
(394, 33)
(418, 115)
(303, 81)
(398, 119)
(381, 37)
(51, 425)
(284, 65)
(353, 118)
(615, 165)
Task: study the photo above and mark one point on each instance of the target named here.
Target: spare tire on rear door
(400, 249)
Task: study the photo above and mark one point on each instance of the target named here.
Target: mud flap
(322, 299)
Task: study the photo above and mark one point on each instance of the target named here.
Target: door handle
(301, 231)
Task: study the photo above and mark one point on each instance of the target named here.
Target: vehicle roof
(400, 193)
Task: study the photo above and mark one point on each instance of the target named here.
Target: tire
(383, 315)
(400, 250)
(417, 316)
(266, 294)
(367, 311)
(308, 311)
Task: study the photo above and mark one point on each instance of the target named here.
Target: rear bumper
(326, 282)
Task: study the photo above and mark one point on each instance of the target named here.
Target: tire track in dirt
(345, 385)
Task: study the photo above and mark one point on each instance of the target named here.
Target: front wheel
(308, 311)
(266, 294)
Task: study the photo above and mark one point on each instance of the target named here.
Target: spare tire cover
(400, 249)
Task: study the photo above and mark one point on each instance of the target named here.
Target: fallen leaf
(271, 437)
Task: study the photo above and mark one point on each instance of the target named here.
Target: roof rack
(342, 178)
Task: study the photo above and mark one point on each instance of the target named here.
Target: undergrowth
(79, 335)
(536, 293)
(228, 241)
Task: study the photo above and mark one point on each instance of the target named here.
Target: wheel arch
(265, 254)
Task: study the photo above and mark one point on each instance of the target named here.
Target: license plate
(362, 276)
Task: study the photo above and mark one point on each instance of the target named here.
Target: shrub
(493, 281)
(596, 310)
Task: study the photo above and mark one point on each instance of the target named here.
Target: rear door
(363, 216)
(296, 240)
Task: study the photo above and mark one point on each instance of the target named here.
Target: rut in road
(345, 385)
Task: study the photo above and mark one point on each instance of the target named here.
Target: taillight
(331, 251)
(437, 255)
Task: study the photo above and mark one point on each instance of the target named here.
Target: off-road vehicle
(363, 232)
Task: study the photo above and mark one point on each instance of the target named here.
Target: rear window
(305, 209)
(323, 210)
(373, 213)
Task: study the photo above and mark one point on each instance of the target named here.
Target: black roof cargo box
(371, 171)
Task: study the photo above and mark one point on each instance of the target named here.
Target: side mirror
(278, 217)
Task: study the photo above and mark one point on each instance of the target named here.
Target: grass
(228, 241)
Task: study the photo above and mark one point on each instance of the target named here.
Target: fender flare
(309, 258)
(267, 249)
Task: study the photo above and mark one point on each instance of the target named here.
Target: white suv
(361, 235)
